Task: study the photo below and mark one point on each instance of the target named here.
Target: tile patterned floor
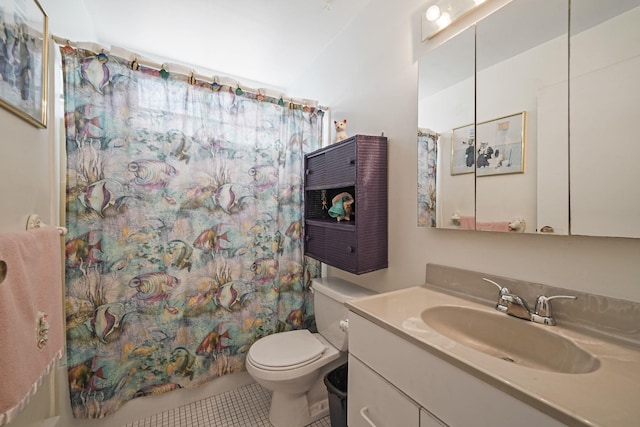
(247, 406)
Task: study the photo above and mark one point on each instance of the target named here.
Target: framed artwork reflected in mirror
(500, 145)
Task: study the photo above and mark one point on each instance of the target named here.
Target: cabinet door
(315, 242)
(373, 402)
(315, 171)
(341, 165)
(334, 167)
(342, 248)
(427, 419)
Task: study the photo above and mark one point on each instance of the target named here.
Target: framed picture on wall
(500, 145)
(23, 60)
(462, 150)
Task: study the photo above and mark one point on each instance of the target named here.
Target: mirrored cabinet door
(538, 135)
(446, 115)
(604, 111)
(521, 118)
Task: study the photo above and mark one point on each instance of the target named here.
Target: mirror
(521, 117)
(520, 84)
(488, 173)
(446, 101)
(605, 102)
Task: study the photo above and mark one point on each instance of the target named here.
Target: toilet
(293, 364)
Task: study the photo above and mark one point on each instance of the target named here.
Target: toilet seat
(286, 350)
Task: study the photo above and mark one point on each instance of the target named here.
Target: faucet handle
(543, 305)
(502, 303)
(503, 289)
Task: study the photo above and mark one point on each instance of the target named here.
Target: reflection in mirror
(605, 104)
(522, 160)
(427, 177)
(446, 102)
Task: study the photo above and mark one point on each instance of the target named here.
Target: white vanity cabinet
(394, 382)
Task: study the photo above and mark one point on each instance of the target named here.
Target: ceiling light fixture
(433, 13)
(444, 20)
(439, 14)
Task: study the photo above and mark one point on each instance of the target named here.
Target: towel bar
(34, 221)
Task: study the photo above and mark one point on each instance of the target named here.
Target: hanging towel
(493, 226)
(468, 222)
(31, 330)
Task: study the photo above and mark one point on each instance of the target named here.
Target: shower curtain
(184, 210)
(427, 176)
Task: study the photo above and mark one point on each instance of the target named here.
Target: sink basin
(510, 339)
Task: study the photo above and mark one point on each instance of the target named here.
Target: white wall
(24, 172)
(369, 76)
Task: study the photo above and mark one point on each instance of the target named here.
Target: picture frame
(463, 150)
(501, 145)
(24, 37)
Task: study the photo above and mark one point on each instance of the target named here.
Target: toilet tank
(330, 294)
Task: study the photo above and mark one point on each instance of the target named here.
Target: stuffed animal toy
(341, 206)
(341, 130)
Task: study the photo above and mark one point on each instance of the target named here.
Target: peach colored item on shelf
(468, 222)
(493, 226)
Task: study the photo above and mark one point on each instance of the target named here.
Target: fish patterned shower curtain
(427, 177)
(184, 209)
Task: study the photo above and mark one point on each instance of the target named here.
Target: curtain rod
(183, 70)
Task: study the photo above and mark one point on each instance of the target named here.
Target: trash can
(336, 382)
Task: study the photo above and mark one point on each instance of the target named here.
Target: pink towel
(31, 329)
(493, 226)
(468, 222)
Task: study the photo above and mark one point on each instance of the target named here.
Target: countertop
(608, 396)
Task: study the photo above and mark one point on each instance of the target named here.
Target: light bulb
(433, 13)
(444, 20)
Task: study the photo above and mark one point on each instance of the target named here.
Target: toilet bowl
(293, 364)
(294, 403)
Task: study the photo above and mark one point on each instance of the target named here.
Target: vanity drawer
(373, 402)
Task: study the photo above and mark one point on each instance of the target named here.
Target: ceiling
(265, 41)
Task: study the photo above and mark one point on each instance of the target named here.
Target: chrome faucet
(515, 306)
(510, 303)
(543, 309)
